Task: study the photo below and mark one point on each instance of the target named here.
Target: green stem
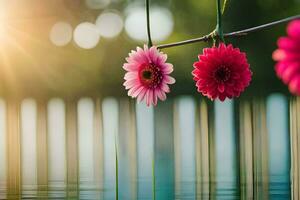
(153, 179)
(148, 23)
(224, 6)
(117, 170)
(219, 28)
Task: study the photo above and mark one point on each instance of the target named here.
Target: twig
(148, 23)
(224, 6)
(244, 32)
(219, 28)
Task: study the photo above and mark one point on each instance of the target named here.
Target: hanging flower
(288, 57)
(222, 72)
(147, 76)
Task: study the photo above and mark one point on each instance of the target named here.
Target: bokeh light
(61, 33)
(97, 4)
(162, 23)
(110, 24)
(86, 35)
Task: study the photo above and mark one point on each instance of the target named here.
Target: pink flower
(288, 57)
(147, 76)
(222, 72)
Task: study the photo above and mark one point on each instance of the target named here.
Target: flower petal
(169, 80)
(219, 70)
(149, 60)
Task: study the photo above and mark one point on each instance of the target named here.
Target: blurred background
(72, 48)
(64, 114)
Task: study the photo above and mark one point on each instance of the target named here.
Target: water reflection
(225, 150)
(279, 147)
(28, 148)
(56, 149)
(184, 137)
(87, 181)
(145, 149)
(110, 129)
(164, 151)
(2, 150)
(200, 150)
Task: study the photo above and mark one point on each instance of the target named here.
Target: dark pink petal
(221, 72)
(221, 87)
(288, 57)
(294, 85)
(292, 70)
(293, 29)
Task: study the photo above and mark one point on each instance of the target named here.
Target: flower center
(222, 74)
(150, 75)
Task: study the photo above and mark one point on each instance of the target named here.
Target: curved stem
(148, 23)
(224, 6)
(244, 32)
(205, 38)
(219, 27)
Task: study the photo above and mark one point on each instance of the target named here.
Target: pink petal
(293, 29)
(142, 58)
(165, 88)
(133, 90)
(222, 97)
(137, 92)
(221, 87)
(291, 71)
(211, 60)
(148, 97)
(294, 86)
(169, 80)
(131, 75)
(167, 68)
(130, 67)
(154, 98)
(162, 58)
(279, 55)
(131, 83)
(142, 94)
(161, 95)
(152, 53)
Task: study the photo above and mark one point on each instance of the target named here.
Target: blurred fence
(232, 150)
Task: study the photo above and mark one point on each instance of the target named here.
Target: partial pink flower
(288, 57)
(222, 72)
(147, 76)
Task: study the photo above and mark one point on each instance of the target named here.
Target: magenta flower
(147, 76)
(288, 57)
(222, 72)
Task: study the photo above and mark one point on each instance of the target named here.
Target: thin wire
(244, 32)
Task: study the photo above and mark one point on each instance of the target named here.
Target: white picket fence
(63, 149)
